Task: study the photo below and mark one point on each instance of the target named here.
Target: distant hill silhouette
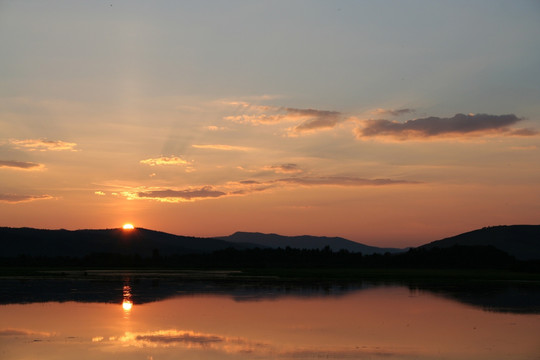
(78, 243)
(304, 242)
(520, 241)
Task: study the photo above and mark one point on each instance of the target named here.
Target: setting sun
(128, 227)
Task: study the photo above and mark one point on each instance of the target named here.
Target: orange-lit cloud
(432, 127)
(169, 195)
(308, 120)
(215, 128)
(21, 165)
(43, 145)
(14, 199)
(164, 160)
(222, 147)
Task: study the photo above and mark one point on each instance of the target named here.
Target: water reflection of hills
(514, 297)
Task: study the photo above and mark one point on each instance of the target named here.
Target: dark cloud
(459, 124)
(13, 198)
(189, 194)
(22, 165)
(249, 182)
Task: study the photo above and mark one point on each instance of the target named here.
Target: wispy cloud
(284, 168)
(246, 187)
(222, 147)
(458, 125)
(164, 160)
(340, 181)
(315, 119)
(530, 147)
(21, 165)
(391, 112)
(14, 198)
(43, 145)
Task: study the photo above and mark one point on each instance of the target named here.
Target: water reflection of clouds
(184, 338)
(23, 332)
(236, 345)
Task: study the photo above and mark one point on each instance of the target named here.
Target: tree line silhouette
(455, 257)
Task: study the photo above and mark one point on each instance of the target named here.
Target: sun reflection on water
(127, 303)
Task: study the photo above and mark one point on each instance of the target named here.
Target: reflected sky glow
(372, 323)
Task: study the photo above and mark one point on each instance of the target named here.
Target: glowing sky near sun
(388, 123)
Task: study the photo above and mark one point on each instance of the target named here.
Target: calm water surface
(111, 320)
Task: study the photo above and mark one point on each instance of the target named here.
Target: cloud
(340, 181)
(14, 199)
(245, 187)
(250, 186)
(215, 128)
(391, 112)
(164, 160)
(530, 147)
(99, 193)
(169, 195)
(307, 119)
(222, 147)
(284, 168)
(43, 145)
(21, 165)
(316, 119)
(458, 125)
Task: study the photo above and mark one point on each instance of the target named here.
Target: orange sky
(388, 126)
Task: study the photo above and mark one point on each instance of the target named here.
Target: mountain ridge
(272, 240)
(520, 241)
